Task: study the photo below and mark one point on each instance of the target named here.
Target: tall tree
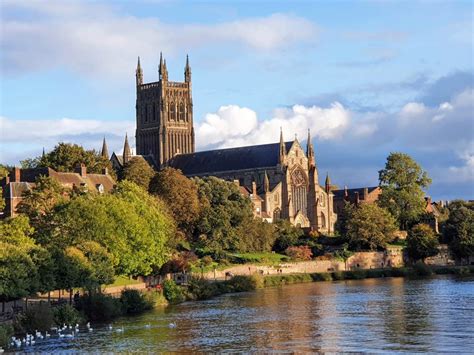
(402, 182)
(66, 157)
(4, 171)
(459, 228)
(422, 242)
(137, 170)
(180, 194)
(369, 227)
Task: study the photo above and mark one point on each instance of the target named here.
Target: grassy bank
(200, 289)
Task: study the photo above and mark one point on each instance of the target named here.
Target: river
(373, 315)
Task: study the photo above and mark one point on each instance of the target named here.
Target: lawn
(123, 281)
(260, 258)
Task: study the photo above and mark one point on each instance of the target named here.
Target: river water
(374, 315)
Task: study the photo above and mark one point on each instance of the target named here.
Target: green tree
(137, 170)
(223, 210)
(180, 194)
(256, 235)
(370, 227)
(287, 235)
(131, 224)
(66, 157)
(4, 171)
(422, 242)
(402, 182)
(459, 228)
(20, 260)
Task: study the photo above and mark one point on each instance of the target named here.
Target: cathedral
(280, 178)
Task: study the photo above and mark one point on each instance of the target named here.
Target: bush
(201, 289)
(241, 283)
(302, 252)
(421, 269)
(66, 314)
(321, 276)
(173, 293)
(39, 317)
(99, 307)
(356, 275)
(338, 275)
(134, 302)
(6, 332)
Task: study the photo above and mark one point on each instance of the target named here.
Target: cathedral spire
(310, 150)
(105, 151)
(139, 73)
(162, 70)
(328, 183)
(187, 71)
(282, 152)
(127, 153)
(266, 183)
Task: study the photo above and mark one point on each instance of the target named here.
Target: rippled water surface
(375, 315)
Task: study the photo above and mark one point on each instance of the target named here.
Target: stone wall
(362, 260)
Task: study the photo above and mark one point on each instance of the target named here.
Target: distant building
(118, 161)
(21, 180)
(355, 196)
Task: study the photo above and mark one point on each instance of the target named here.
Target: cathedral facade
(280, 178)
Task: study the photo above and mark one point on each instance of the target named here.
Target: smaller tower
(127, 153)
(310, 151)
(266, 183)
(105, 151)
(282, 152)
(328, 183)
(163, 71)
(43, 155)
(139, 74)
(187, 71)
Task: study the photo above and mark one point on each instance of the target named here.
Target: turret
(266, 183)
(127, 153)
(163, 71)
(310, 151)
(282, 152)
(139, 74)
(187, 71)
(328, 183)
(105, 151)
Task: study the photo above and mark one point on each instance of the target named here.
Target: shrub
(134, 302)
(6, 332)
(201, 289)
(421, 269)
(375, 273)
(302, 252)
(338, 275)
(173, 293)
(356, 275)
(322, 276)
(39, 317)
(241, 283)
(399, 272)
(66, 314)
(99, 307)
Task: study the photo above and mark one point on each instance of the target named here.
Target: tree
(180, 194)
(137, 170)
(4, 170)
(66, 157)
(302, 252)
(256, 236)
(369, 227)
(223, 210)
(20, 260)
(287, 235)
(132, 225)
(422, 242)
(459, 228)
(402, 182)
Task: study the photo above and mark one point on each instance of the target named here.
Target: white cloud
(233, 126)
(94, 39)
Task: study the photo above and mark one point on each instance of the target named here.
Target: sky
(366, 77)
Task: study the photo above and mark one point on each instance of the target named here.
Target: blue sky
(367, 77)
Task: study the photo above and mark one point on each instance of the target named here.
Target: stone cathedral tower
(164, 115)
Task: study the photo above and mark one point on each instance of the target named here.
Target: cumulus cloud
(233, 126)
(94, 39)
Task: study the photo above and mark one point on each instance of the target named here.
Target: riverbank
(201, 289)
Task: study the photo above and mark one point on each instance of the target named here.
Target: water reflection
(372, 315)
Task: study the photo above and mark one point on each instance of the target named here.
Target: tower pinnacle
(105, 151)
(282, 152)
(187, 71)
(139, 73)
(127, 153)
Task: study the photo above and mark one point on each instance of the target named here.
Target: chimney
(236, 182)
(366, 193)
(16, 174)
(81, 170)
(254, 188)
(356, 197)
(105, 171)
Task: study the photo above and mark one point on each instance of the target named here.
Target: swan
(119, 330)
(110, 327)
(148, 326)
(172, 325)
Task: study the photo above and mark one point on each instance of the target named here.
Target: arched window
(323, 220)
(299, 191)
(181, 111)
(173, 111)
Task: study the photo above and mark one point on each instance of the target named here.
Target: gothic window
(173, 111)
(181, 111)
(276, 214)
(323, 220)
(300, 191)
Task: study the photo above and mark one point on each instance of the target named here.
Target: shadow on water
(373, 315)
